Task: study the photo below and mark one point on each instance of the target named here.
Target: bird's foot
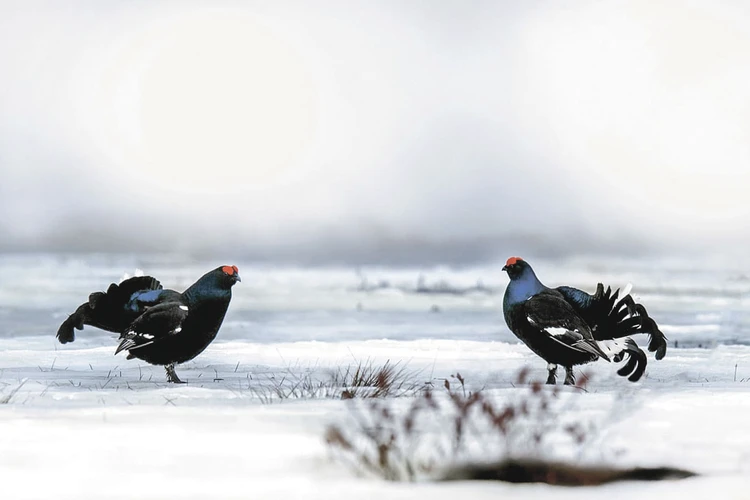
(552, 371)
(172, 375)
(570, 378)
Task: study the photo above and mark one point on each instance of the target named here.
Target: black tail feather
(625, 317)
(630, 324)
(95, 298)
(614, 297)
(66, 333)
(120, 294)
(658, 341)
(629, 304)
(635, 366)
(103, 309)
(624, 308)
(615, 315)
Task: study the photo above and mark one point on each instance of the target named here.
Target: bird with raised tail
(566, 326)
(159, 326)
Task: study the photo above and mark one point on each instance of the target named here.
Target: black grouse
(566, 326)
(161, 327)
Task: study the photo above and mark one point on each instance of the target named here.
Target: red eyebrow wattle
(512, 260)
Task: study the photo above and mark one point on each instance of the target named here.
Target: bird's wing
(154, 324)
(141, 300)
(552, 314)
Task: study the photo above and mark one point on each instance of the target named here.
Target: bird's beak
(237, 277)
(505, 268)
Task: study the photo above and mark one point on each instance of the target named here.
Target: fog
(375, 132)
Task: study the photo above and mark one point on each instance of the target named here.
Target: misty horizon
(355, 133)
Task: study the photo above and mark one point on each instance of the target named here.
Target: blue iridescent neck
(523, 286)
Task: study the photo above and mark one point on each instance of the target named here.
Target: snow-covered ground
(86, 424)
(82, 423)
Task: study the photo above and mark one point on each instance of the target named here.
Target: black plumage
(161, 327)
(568, 327)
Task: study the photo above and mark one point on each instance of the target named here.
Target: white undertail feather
(611, 347)
(138, 272)
(626, 290)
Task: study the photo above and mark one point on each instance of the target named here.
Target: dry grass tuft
(364, 380)
(367, 380)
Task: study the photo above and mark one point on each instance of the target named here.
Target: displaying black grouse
(161, 327)
(566, 326)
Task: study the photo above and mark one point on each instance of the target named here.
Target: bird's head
(228, 276)
(516, 267)
(216, 283)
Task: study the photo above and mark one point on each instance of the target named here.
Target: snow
(85, 424)
(88, 425)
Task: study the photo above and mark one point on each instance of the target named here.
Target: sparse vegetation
(6, 398)
(367, 380)
(364, 380)
(447, 434)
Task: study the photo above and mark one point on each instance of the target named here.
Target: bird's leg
(172, 375)
(570, 379)
(552, 370)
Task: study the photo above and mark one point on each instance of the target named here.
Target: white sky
(375, 130)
